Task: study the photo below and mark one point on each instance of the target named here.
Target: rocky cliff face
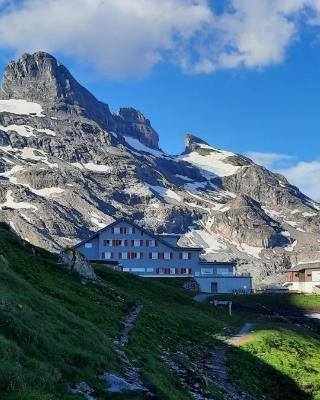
(68, 166)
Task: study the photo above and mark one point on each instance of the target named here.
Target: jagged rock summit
(40, 78)
(68, 166)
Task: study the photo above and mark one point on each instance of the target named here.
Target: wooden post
(230, 308)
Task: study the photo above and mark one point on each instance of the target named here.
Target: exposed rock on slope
(68, 166)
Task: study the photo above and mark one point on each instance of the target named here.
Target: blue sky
(241, 74)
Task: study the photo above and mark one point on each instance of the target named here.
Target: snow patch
(216, 162)
(141, 147)
(167, 194)
(97, 167)
(291, 246)
(21, 107)
(308, 214)
(11, 203)
(213, 243)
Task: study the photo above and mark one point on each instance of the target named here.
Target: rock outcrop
(74, 261)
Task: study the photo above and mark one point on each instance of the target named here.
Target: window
(149, 269)
(207, 271)
(107, 242)
(154, 256)
(133, 255)
(167, 256)
(184, 271)
(185, 256)
(136, 243)
(108, 255)
(223, 271)
(172, 271)
(138, 270)
(124, 255)
(117, 230)
(126, 269)
(88, 245)
(131, 230)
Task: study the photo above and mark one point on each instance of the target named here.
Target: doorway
(214, 287)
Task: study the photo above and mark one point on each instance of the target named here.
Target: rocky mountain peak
(40, 78)
(193, 143)
(135, 124)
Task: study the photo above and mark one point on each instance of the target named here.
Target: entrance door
(214, 287)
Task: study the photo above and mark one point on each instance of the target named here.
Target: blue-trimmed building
(146, 254)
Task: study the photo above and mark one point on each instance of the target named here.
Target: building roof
(156, 237)
(301, 267)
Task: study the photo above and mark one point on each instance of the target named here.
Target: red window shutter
(190, 270)
(156, 243)
(180, 256)
(160, 256)
(124, 230)
(189, 256)
(171, 256)
(141, 243)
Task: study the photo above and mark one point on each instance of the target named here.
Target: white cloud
(269, 160)
(304, 175)
(130, 37)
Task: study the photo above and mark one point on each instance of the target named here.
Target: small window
(126, 269)
(149, 269)
(185, 256)
(88, 245)
(167, 256)
(138, 270)
(117, 230)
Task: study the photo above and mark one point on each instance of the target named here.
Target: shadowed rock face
(70, 170)
(131, 122)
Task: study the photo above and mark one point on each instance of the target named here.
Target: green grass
(56, 331)
(287, 303)
(285, 352)
(293, 353)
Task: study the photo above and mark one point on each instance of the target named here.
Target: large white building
(143, 253)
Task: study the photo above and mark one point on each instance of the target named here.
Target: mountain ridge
(65, 172)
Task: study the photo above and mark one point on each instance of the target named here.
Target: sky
(244, 75)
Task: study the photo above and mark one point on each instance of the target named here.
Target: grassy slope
(281, 347)
(56, 331)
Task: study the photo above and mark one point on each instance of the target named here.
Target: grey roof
(157, 237)
(301, 267)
